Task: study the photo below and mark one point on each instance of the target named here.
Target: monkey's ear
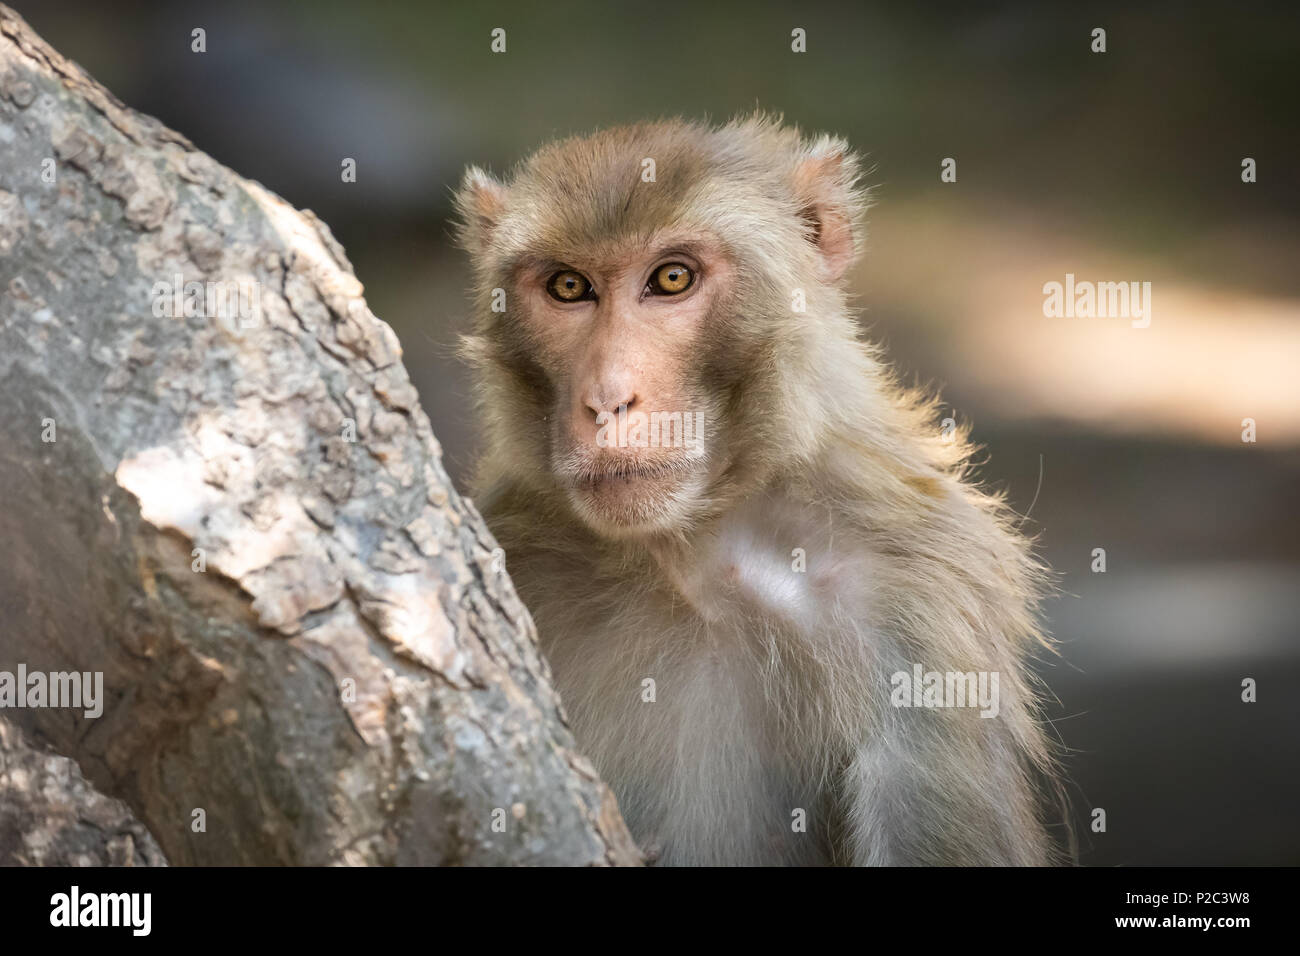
(479, 203)
(825, 181)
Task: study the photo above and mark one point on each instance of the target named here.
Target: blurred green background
(1122, 166)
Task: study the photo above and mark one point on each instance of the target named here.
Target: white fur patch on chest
(778, 559)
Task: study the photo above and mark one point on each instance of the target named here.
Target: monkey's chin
(631, 505)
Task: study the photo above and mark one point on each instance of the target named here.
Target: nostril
(597, 406)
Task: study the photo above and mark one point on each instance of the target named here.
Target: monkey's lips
(626, 474)
(630, 493)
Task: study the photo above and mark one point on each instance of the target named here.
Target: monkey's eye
(569, 286)
(671, 279)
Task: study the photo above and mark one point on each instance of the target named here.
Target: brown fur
(772, 685)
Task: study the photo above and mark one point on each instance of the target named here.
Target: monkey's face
(642, 338)
(627, 343)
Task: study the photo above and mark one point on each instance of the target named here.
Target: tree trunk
(222, 494)
(50, 815)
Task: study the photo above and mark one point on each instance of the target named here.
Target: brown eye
(671, 279)
(568, 286)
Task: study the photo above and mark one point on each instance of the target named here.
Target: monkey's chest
(711, 760)
(708, 702)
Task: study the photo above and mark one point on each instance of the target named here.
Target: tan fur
(772, 686)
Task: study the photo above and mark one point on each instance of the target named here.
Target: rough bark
(244, 524)
(50, 815)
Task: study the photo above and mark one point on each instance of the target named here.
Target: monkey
(741, 539)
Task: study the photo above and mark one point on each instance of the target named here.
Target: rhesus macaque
(742, 541)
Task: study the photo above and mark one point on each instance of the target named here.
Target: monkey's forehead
(608, 239)
(583, 197)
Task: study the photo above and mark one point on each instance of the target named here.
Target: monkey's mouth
(626, 473)
(631, 493)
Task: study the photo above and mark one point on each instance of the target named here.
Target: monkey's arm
(936, 793)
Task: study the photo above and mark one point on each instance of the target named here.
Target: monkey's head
(660, 318)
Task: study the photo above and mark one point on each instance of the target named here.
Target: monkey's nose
(596, 402)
